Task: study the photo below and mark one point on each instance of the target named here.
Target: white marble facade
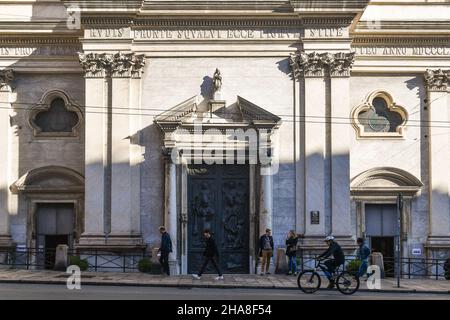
(311, 67)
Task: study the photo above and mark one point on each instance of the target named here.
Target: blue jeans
(363, 268)
(293, 264)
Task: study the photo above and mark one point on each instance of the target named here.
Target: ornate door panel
(218, 200)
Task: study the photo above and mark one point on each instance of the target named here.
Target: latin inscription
(326, 33)
(404, 51)
(39, 51)
(217, 34)
(108, 33)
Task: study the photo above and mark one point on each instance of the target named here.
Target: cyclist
(338, 259)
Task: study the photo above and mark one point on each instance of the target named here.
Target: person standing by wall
(362, 254)
(165, 249)
(209, 254)
(266, 251)
(291, 252)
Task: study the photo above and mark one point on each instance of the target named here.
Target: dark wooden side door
(218, 200)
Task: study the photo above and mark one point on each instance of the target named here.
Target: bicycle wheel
(309, 281)
(347, 283)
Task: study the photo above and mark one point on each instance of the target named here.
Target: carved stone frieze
(437, 80)
(6, 78)
(112, 65)
(320, 64)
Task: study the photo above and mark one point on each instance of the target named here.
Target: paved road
(60, 292)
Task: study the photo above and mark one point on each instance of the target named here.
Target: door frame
(182, 181)
(405, 212)
(33, 200)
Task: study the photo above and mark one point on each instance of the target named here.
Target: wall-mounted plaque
(315, 217)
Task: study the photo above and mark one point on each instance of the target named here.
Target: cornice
(400, 40)
(107, 21)
(218, 5)
(101, 5)
(333, 6)
(204, 22)
(196, 22)
(38, 40)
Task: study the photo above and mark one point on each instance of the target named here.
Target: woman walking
(291, 252)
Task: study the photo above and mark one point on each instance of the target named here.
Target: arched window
(379, 117)
(55, 116)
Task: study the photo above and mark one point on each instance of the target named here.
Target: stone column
(96, 101)
(112, 201)
(340, 67)
(170, 211)
(136, 151)
(6, 78)
(299, 145)
(311, 68)
(438, 108)
(125, 198)
(120, 159)
(265, 201)
(326, 146)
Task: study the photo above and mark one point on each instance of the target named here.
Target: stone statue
(217, 81)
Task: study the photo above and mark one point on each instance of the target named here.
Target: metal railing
(97, 260)
(411, 268)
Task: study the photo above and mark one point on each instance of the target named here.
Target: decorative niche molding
(55, 116)
(379, 117)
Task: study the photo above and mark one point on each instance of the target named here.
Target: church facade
(236, 116)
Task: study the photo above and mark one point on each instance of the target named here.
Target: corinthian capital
(437, 80)
(341, 64)
(6, 78)
(112, 65)
(319, 64)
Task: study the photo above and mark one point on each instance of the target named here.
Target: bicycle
(309, 281)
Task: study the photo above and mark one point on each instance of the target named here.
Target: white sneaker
(195, 276)
(219, 278)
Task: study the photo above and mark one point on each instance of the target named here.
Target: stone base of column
(6, 242)
(174, 267)
(348, 243)
(111, 243)
(317, 244)
(438, 242)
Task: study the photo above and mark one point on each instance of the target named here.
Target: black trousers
(206, 260)
(164, 260)
(332, 265)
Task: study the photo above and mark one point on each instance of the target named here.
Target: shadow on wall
(284, 66)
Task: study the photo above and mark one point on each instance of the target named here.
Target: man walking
(363, 254)
(266, 251)
(209, 254)
(165, 249)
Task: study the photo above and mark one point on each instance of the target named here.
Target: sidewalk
(207, 281)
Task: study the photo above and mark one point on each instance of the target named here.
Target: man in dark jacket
(363, 254)
(335, 250)
(210, 252)
(165, 249)
(266, 248)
